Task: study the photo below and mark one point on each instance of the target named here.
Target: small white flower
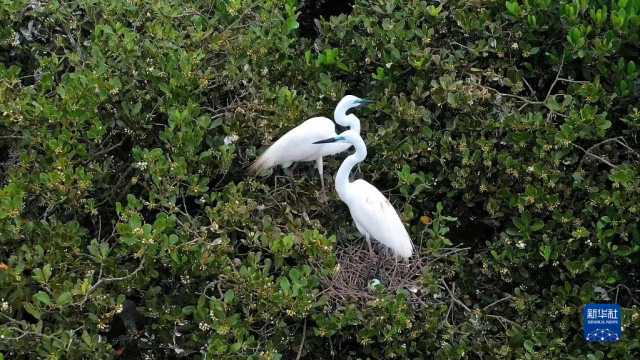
(521, 245)
(141, 165)
(204, 326)
(230, 139)
(514, 46)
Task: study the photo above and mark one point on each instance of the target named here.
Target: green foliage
(128, 227)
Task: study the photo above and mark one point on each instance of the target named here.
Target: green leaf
(188, 310)
(528, 345)
(87, 338)
(292, 23)
(434, 11)
(229, 295)
(94, 249)
(545, 251)
(64, 298)
(46, 272)
(553, 104)
(34, 311)
(42, 297)
(513, 8)
(537, 226)
(285, 285)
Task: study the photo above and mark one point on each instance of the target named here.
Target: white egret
(371, 211)
(297, 144)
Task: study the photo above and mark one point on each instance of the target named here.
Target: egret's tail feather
(405, 249)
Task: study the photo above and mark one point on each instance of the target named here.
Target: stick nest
(358, 271)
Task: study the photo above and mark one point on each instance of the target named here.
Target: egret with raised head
(297, 144)
(373, 214)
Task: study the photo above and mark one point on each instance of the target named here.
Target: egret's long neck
(341, 117)
(342, 177)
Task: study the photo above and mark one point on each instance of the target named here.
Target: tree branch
(456, 300)
(104, 151)
(508, 297)
(304, 333)
(108, 280)
(556, 79)
(617, 140)
(588, 152)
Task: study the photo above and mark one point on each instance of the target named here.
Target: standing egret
(372, 213)
(297, 143)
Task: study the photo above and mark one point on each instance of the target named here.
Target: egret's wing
(298, 145)
(371, 209)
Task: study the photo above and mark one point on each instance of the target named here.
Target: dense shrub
(128, 226)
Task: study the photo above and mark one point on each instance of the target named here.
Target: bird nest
(359, 274)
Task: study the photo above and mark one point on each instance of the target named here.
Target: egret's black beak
(364, 102)
(326, 141)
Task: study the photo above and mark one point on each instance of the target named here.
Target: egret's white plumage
(297, 144)
(372, 213)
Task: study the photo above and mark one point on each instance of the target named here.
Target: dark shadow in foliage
(472, 233)
(8, 159)
(316, 9)
(124, 331)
